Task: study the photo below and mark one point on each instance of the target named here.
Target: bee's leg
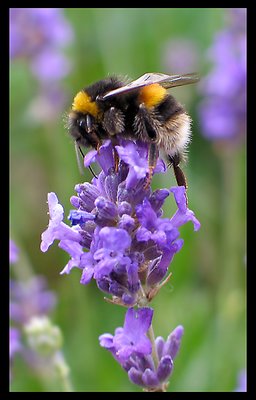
(91, 134)
(179, 174)
(114, 124)
(116, 157)
(113, 121)
(152, 160)
(98, 147)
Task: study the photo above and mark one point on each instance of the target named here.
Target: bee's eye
(82, 124)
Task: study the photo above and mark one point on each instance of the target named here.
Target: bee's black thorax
(102, 87)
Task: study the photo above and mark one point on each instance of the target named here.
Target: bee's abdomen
(176, 127)
(168, 107)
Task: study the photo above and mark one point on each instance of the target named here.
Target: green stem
(63, 372)
(142, 300)
(151, 336)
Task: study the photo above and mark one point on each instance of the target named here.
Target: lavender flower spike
(118, 236)
(133, 350)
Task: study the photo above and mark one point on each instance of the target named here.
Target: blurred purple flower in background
(15, 344)
(118, 236)
(223, 108)
(242, 382)
(180, 56)
(13, 252)
(40, 36)
(28, 299)
(134, 351)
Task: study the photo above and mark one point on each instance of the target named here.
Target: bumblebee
(139, 110)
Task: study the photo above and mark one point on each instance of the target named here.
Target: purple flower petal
(127, 223)
(138, 165)
(139, 320)
(143, 235)
(104, 157)
(56, 211)
(115, 239)
(124, 208)
(56, 228)
(107, 211)
(146, 215)
(173, 342)
(75, 250)
(90, 157)
(106, 340)
(164, 369)
(157, 198)
(159, 346)
(80, 217)
(157, 273)
(133, 336)
(183, 215)
(160, 167)
(133, 277)
(150, 378)
(87, 194)
(135, 376)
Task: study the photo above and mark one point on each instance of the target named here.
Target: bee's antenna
(93, 173)
(77, 147)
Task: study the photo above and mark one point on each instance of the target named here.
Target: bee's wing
(167, 81)
(179, 80)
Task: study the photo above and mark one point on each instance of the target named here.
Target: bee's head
(83, 128)
(83, 120)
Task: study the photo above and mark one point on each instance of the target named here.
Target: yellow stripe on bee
(83, 103)
(152, 95)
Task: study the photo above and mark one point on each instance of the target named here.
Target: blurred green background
(206, 293)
